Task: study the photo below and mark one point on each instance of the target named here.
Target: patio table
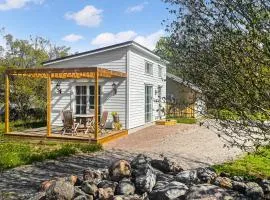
(84, 118)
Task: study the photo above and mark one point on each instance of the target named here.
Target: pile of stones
(147, 179)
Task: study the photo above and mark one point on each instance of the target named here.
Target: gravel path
(190, 145)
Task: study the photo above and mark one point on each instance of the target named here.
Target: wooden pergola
(59, 73)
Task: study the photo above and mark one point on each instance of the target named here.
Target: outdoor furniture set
(83, 122)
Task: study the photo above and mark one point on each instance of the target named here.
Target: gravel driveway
(190, 145)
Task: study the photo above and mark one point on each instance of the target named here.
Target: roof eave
(104, 49)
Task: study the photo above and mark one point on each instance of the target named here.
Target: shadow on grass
(34, 124)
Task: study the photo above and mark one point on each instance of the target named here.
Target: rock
(223, 182)
(120, 169)
(212, 192)
(238, 178)
(95, 175)
(60, 190)
(206, 175)
(38, 196)
(80, 195)
(105, 193)
(254, 191)
(74, 180)
(107, 184)
(118, 197)
(165, 177)
(188, 177)
(89, 188)
(224, 174)
(144, 178)
(45, 185)
(78, 191)
(166, 166)
(140, 160)
(239, 186)
(265, 184)
(168, 191)
(125, 187)
(129, 197)
(84, 197)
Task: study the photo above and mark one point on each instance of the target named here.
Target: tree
(27, 93)
(222, 46)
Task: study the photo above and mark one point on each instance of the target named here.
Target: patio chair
(103, 120)
(68, 122)
(101, 124)
(89, 123)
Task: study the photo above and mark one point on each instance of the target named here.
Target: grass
(184, 120)
(21, 125)
(14, 154)
(251, 166)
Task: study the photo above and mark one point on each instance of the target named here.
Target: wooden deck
(40, 135)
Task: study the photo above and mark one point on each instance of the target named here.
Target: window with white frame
(148, 68)
(85, 99)
(159, 71)
(81, 99)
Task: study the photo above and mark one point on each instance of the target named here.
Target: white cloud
(105, 39)
(136, 8)
(16, 4)
(72, 38)
(89, 16)
(149, 41)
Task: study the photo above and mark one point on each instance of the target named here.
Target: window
(81, 99)
(148, 68)
(85, 99)
(159, 71)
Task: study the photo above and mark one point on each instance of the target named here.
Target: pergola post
(96, 105)
(49, 106)
(7, 91)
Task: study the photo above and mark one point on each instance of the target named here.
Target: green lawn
(14, 154)
(20, 125)
(252, 165)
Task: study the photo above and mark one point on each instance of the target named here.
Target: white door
(148, 103)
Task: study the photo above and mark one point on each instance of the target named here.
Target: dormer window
(148, 68)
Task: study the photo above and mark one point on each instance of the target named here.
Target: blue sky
(85, 24)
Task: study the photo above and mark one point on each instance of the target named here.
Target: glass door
(159, 102)
(148, 103)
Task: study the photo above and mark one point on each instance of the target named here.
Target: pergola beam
(49, 128)
(65, 73)
(96, 105)
(7, 92)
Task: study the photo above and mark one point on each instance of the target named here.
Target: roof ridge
(119, 45)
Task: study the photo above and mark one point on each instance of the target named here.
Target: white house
(137, 98)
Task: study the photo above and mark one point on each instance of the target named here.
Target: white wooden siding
(61, 101)
(137, 81)
(113, 60)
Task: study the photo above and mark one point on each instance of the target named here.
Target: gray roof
(185, 83)
(107, 48)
